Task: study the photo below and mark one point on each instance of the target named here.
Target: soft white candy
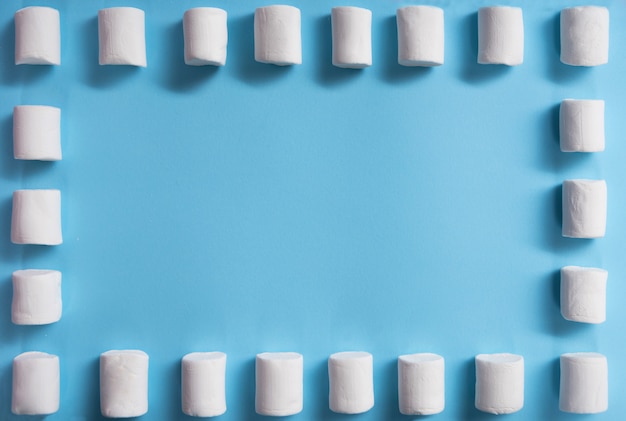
(583, 294)
(500, 35)
(352, 37)
(585, 36)
(581, 125)
(37, 36)
(584, 387)
(36, 297)
(420, 36)
(36, 217)
(499, 383)
(122, 36)
(203, 384)
(206, 36)
(279, 383)
(123, 383)
(351, 379)
(584, 208)
(37, 132)
(421, 384)
(36, 384)
(277, 37)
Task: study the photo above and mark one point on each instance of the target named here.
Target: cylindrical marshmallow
(122, 36)
(500, 35)
(37, 132)
(36, 217)
(351, 380)
(36, 297)
(584, 208)
(420, 36)
(583, 294)
(584, 387)
(277, 37)
(204, 384)
(585, 36)
(36, 384)
(206, 36)
(279, 383)
(37, 36)
(123, 383)
(421, 384)
(352, 37)
(581, 125)
(499, 383)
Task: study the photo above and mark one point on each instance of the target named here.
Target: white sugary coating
(206, 36)
(279, 383)
(36, 297)
(352, 37)
(583, 294)
(37, 36)
(36, 384)
(123, 383)
(584, 386)
(277, 35)
(351, 380)
(36, 217)
(204, 384)
(585, 36)
(500, 35)
(421, 384)
(499, 383)
(584, 208)
(581, 125)
(420, 36)
(122, 36)
(37, 132)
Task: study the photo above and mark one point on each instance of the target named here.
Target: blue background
(313, 209)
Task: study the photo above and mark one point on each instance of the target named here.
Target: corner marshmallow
(420, 36)
(36, 384)
(37, 36)
(36, 217)
(206, 36)
(277, 35)
(500, 35)
(421, 384)
(37, 132)
(279, 383)
(585, 36)
(203, 384)
(584, 387)
(36, 297)
(499, 383)
(584, 208)
(352, 37)
(581, 125)
(122, 36)
(123, 383)
(351, 379)
(583, 294)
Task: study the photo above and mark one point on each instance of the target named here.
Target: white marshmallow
(206, 36)
(36, 217)
(37, 36)
(581, 125)
(351, 379)
(421, 384)
(203, 384)
(585, 36)
(36, 297)
(352, 37)
(122, 36)
(420, 36)
(583, 294)
(500, 35)
(36, 384)
(584, 387)
(123, 383)
(584, 208)
(279, 383)
(499, 383)
(37, 132)
(277, 37)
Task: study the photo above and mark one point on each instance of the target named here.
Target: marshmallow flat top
(35, 355)
(419, 358)
(204, 356)
(503, 358)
